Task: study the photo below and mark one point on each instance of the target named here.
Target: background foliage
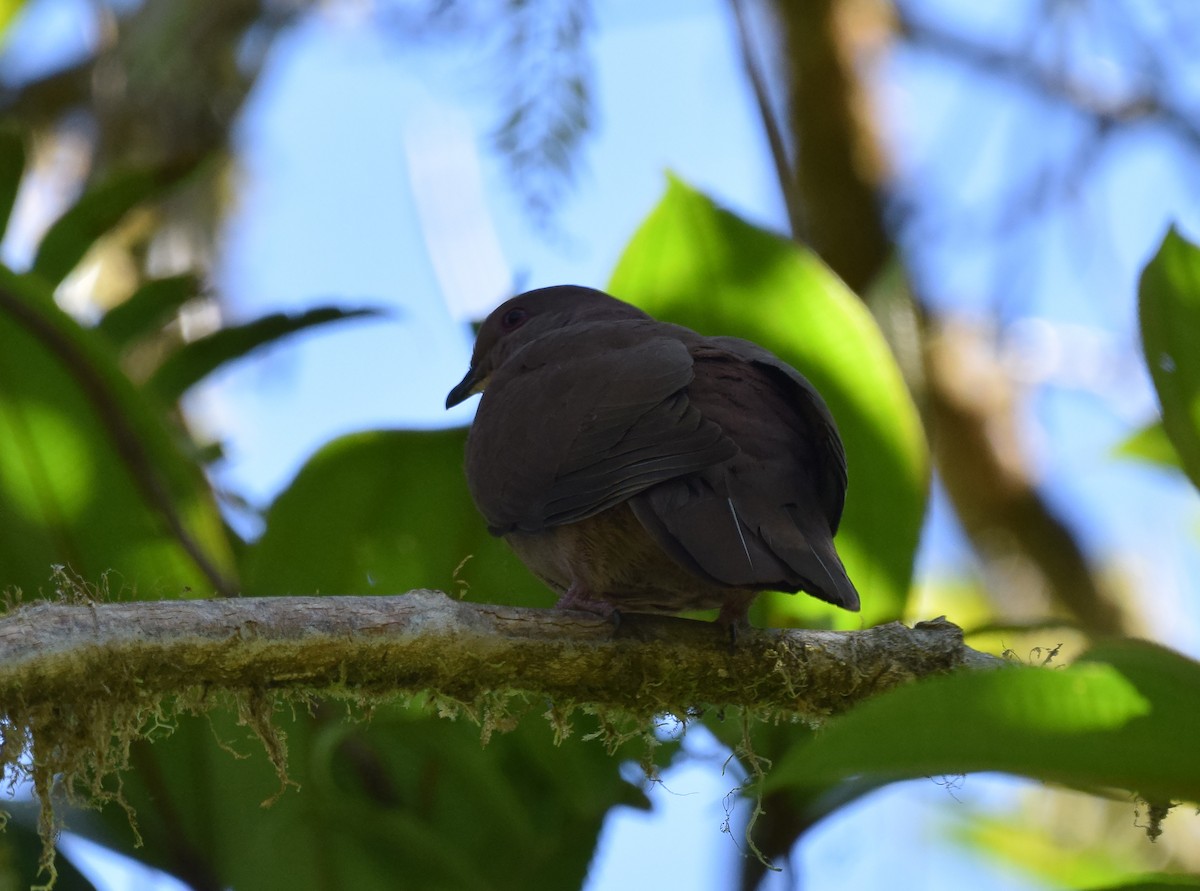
(101, 469)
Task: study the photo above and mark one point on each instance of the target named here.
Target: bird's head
(526, 317)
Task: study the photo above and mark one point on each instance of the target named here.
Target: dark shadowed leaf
(1122, 717)
(148, 309)
(12, 167)
(401, 795)
(90, 476)
(696, 264)
(94, 214)
(196, 360)
(20, 849)
(1169, 310)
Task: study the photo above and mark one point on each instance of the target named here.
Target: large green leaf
(12, 165)
(400, 801)
(385, 512)
(90, 476)
(1169, 309)
(694, 263)
(72, 235)
(1124, 716)
(196, 360)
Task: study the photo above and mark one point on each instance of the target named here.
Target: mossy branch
(57, 653)
(80, 680)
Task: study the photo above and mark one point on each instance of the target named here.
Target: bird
(636, 466)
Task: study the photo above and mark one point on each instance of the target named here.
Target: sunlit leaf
(90, 476)
(94, 214)
(1018, 842)
(8, 12)
(196, 360)
(692, 262)
(1123, 717)
(148, 309)
(383, 513)
(1169, 309)
(1150, 444)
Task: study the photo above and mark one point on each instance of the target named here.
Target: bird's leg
(734, 616)
(578, 597)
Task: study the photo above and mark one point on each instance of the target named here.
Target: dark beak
(464, 390)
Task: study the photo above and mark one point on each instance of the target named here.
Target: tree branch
(55, 654)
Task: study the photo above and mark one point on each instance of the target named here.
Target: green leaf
(90, 476)
(8, 12)
(1150, 444)
(1124, 717)
(194, 361)
(95, 213)
(696, 264)
(385, 512)
(399, 795)
(21, 850)
(1016, 842)
(12, 165)
(1169, 310)
(1155, 882)
(148, 309)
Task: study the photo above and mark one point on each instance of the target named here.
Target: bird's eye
(514, 318)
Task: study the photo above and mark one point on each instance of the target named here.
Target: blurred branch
(979, 453)
(1020, 68)
(775, 137)
(838, 169)
(977, 446)
(55, 654)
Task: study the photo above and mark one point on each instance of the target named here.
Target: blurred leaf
(8, 12)
(95, 213)
(1169, 309)
(1155, 882)
(90, 476)
(1017, 843)
(12, 162)
(194, 361)
(1151, 444)
(148, 309)
(1124, 717)
(696, 264)
(400, 795)
(385, 512)
(21, 849)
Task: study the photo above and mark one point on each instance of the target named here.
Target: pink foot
(577, 599)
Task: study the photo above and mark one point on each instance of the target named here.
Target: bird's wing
(810, 417)
(765, 518)
(583, 419)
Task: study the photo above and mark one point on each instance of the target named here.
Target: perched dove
(638, 466)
